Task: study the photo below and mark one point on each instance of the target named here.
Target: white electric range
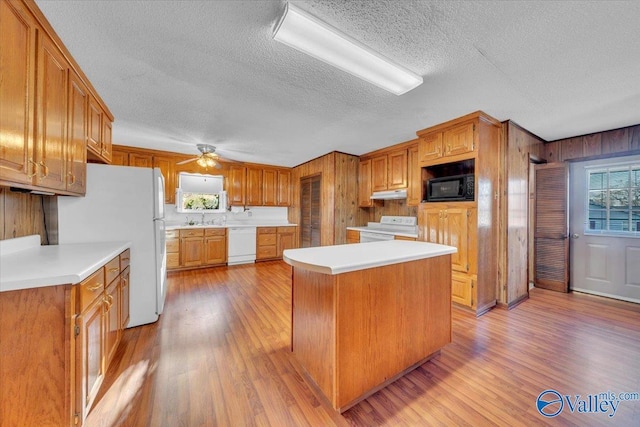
(388, 228)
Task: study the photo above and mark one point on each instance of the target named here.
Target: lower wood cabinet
(271, 242)
(353, 236)
(61, 340)
(196, 248)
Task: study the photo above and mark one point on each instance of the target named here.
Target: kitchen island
(365, 314)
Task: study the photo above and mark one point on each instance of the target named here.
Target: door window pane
(614, 199)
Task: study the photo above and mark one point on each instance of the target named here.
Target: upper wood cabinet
(397, 170)
(414, 177)
(270, 187)
(99, 143)
(45, 118)
(254, 186)
(364, 184)
(141, 160)
(457, 141)
(236, 186)
(167, 166)
(284, 188)
(379, 173)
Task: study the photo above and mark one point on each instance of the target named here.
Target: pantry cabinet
(467, 145)
(47, 105)
(414, 177)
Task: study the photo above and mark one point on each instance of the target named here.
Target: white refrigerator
(124, 204)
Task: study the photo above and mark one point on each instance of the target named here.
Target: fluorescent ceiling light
(310, 35)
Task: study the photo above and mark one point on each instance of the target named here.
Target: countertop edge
(32, 276)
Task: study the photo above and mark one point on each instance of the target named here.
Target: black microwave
(450, 188)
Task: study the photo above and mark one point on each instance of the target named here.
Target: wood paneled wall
(339, 184)
(24, 214)
(611, 143)
(518, 147)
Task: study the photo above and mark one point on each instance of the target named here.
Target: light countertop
(384, 231)
(25, 264)
(359, 256)
(229, 224)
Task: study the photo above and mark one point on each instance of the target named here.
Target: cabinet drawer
(266, 252)
(215, 232)
(125, 259)
(266, 239)
(173, 260)
(173, 246)
(267, 230)
(91, 288)
(172, 234)
(285, 230)
(195, 232)
(112, 270)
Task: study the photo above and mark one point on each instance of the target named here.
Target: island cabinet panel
(356, 332)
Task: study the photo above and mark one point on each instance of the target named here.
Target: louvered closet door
(310, 225)
(551, 243)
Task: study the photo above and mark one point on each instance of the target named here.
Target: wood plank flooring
(219, 356)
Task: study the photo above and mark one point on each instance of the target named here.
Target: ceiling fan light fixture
(310, 35)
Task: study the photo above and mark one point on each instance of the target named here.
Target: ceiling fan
(207, 158)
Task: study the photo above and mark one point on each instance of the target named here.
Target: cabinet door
(77, 140)
(364, 184)
(379, 173)
(353, 236)
(236, 185)
(167, 166)
(430, 223)
(397, 170)
(284, 188)
(456, 233)
(430, 147)
(286, 239)
(269, 185)
(192, 251)
(107, 134)
(141, 160)
(459, 139)
(17, 84)
(94, 134)
(414, 177)
(215, 250)
(461, 289)
(112, 319)
(119, 158)
(266, 243)
(254, 187)
(51, 112)
(90, 352)
(124, 298)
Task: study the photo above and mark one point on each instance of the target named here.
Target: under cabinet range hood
(389, 195)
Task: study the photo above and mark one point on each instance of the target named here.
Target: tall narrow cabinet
(467, 145)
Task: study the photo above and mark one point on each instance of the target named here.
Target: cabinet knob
(45, 169)
(72, 177)
(35, 169)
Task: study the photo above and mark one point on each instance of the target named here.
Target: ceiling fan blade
(187, 161)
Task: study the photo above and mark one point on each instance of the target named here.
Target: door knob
(575, 235)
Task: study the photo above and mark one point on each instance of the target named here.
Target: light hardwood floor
(219, 356)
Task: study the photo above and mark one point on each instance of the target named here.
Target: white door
(605, 227)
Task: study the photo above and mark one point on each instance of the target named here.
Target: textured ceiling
(178, 73)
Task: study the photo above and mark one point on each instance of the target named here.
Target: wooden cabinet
(283, 188)
(119, 158)
(77, 139)
(167, 166)
(471, 226)
(141, 160)
(124, 298)
(266, 244)
(381, 172)
(46, 107)
(196, 247)
(112, 319)
(17, 86)
(455, 141)
(173, 249)
(215, 241)
(364, 184)
(99, 136)
(414, 177)
(192, 247)
(270, 187)
(236, 186)
(287, 239)
(254, 187)
(271, 242)
(353, 236)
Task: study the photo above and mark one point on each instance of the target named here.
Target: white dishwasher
(242, 245)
